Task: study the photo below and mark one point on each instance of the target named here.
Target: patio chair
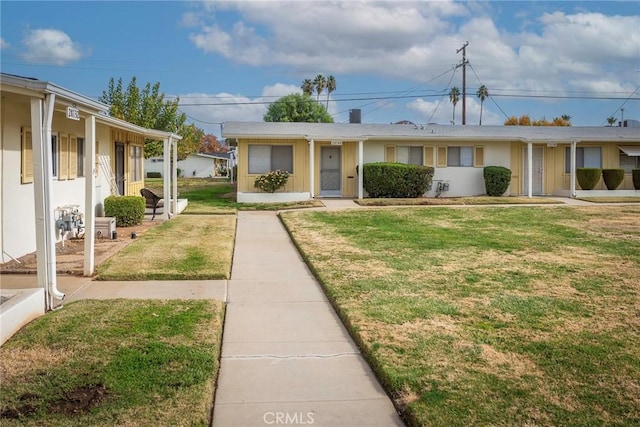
(153, 201)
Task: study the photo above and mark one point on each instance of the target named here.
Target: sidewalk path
(286, 357)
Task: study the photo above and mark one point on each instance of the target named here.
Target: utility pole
(464, 80)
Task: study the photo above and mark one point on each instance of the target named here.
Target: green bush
(179, 172)
(635, 173)
(154, 175)
(612, 178)
(128, 210)
(272, 181)
(588, 177)
(396, 180)
(496, 180)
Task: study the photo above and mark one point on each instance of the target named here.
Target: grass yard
(489, 316)
(117, 362)
(479, 200)
(188, 247)
(618, 199)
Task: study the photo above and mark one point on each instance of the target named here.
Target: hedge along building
(60, 150)
(323, 158)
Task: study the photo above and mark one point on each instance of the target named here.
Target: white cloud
(3, 44)
(50, 46)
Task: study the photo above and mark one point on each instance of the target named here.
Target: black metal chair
(153, 201)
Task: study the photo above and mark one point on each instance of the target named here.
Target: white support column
(529, 169)
(166, 178)
(312, 162)
(573, 169)
(89, 194)
(360, 169)
(174, 146)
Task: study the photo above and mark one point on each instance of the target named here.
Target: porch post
(312, 162)
(166, 175)
(360, 169)
(89, 194)
(530, 169)
(174, 146)
(572, 170)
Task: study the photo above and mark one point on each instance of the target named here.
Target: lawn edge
(404, 413)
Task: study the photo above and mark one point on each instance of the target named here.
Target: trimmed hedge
(128, 210)
(154, 175)
(496, 180)
(635, 173)
(588, 177)
(396, 180)
(612, 178)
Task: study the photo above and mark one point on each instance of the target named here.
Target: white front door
(537, 169)
(330, 173)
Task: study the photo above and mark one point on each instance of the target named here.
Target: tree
(611, 120)
(307, 87)
(320, 83)
(331, 86)
(482, 93)
(148, 108)
(210, 144)
(297, 108)
(566, 118)
(454, 97)
(525, 120)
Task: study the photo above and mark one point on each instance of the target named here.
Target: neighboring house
(200, 165)
(322, 158)
(62, 151)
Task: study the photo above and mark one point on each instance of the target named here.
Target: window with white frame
(409, 155)
(460, 156)
(135, 163)
(265, 158)
(629, 163)
(586, 157)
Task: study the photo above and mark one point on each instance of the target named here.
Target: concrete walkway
(286, 357)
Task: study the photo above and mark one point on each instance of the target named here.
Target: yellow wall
(132, 188)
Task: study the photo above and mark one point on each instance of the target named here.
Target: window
(265, 158)
(629, 162)
(135, 163)
(80, 156)
(460, 156)
(586, 157)
(409, 155)
(54, 155)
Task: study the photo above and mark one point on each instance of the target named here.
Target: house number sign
(336, 142)
(73, 113)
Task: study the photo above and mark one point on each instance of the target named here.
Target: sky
(393, 60)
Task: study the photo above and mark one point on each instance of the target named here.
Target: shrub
(154, 175)
(272, 181)
(612, 178)
(396, 180)
(179, 172)
(588, 177)
(128, 210)
(635, 173)
(496, 180)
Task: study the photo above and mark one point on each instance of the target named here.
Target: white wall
(204, 167)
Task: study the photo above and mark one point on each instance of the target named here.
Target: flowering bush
(272, 181)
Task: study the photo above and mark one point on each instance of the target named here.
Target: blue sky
(394, 60)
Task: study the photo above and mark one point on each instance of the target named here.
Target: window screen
(460, 156)
(586, 157)
(265, 158)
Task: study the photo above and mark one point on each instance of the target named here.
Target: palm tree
(566, 118)
(482, 93)
(611, 120)
(454, 97)
(331, 86)
(307, 87)
(320, 83)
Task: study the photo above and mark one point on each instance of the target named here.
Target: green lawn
(117, 362)
(489, 316)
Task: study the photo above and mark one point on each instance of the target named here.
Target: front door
(120, 168)
(537, 169)
(330, 173)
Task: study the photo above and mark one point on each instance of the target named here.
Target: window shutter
(442, 157)
(428, 156)
(478, 156)
(390, 153)
(26, 175)
(63, 159)
(73, 157)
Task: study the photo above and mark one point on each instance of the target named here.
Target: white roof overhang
(631, 151)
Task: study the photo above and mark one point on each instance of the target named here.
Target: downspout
(572, 170)
(360, 169)
(311, 167)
